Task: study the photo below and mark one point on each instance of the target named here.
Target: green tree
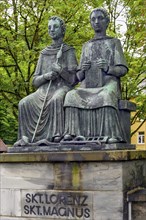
(134, 83)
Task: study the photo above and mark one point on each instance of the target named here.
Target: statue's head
(56, 27)
(99, 19)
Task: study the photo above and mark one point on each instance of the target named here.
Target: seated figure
(91, 110)
(54, 76)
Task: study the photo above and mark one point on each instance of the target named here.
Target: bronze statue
(58, 112)
(92, 109)
(41, 114)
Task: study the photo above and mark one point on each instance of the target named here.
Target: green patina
(76, 175)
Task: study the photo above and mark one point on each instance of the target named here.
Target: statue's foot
(112, 140)
(57, 139)
(115, 140)
(68, 137)
(80, 138)
(22, 142)
(17, 143)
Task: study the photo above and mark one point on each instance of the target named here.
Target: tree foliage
(24, 34)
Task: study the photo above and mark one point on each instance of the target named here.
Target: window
(141, 137)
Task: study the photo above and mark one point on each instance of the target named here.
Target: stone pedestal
(89, 185)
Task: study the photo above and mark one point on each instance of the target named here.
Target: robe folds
(92, 108)
(52, 120)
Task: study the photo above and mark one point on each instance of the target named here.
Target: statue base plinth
(71, 146)
(81, 185)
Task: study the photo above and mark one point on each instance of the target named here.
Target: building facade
(139, 138)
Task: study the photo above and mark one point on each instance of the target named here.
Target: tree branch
(17, 65)
(9, 100)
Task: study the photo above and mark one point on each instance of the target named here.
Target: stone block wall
(37, 187)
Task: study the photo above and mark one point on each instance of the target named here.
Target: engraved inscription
(66, 205)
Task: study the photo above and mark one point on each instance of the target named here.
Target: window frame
(141, 136)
